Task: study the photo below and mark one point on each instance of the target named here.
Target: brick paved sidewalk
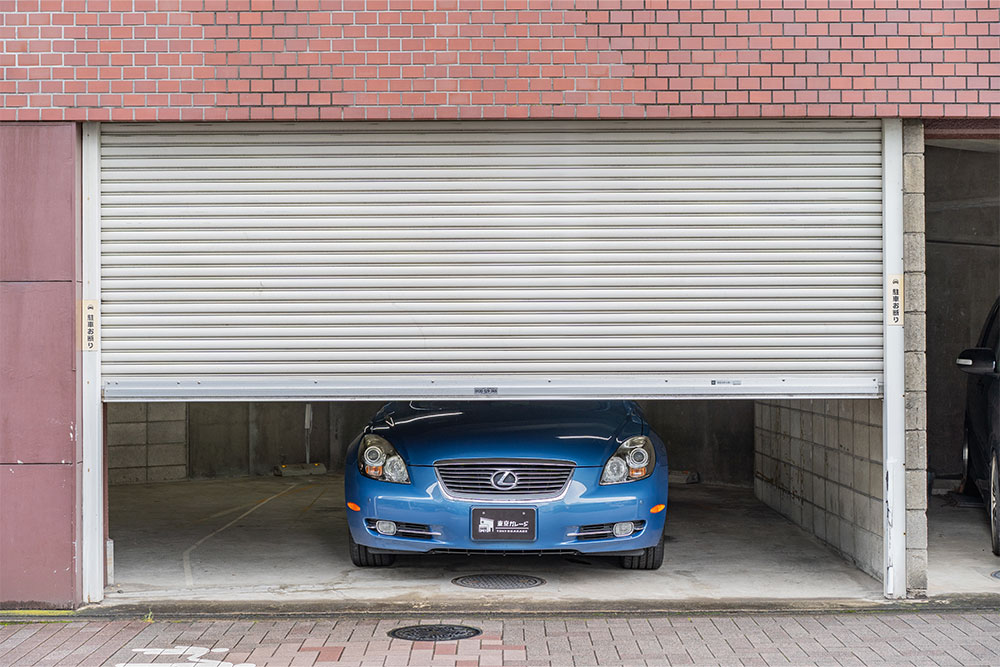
(758, 639)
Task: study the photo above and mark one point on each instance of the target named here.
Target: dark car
(507, 477)
(982, 419)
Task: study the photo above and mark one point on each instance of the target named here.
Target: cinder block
(916, 529)
(120, 476)
(914, 288)
(916, 572)
(915, 332)
(845, 435)
(875, 445)
(127, 456)
(913, 172)
(806, 426)
(166, 432)
(875, 408)
(915, 415)
(845, 504)
(876, 482)
(126, 434)
(164, 412)
(124, 413)
(914, 212)
(845, 409)
(819, 429)
(167, 455)
(846, 469)
(915, 370)
(916, 490)
(913, 135)
(167, 473)
(916, 450)
(794, 424)
(831, 432)
(914, 258)
(862, 475)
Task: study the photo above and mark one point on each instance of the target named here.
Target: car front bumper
(448, 520)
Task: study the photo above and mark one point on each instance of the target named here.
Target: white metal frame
(894, 556)
(93, 565)
(893, 422)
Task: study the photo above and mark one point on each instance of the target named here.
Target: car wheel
(995, 500)
(651, 558)
(361, 556)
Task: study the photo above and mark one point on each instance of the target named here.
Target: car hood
(587, 434)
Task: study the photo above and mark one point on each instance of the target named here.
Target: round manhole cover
(996, 575)
(435, 633)
(498, 582)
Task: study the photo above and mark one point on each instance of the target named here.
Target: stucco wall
(373, 59)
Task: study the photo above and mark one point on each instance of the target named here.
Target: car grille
(534, 478)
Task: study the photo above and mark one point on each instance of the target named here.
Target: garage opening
(732, 275)
(963, 283)
(754, 512)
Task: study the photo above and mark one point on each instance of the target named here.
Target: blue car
(507, 477)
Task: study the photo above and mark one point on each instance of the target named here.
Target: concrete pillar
(40, 282)
(915, 357)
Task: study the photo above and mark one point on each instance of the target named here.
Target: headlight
(378, 459)
(633, 460)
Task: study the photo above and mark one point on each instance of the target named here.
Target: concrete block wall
(146, 442)
(793, 465)
(819, 463)
(915, 356)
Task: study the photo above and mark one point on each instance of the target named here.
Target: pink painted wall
(40, 455)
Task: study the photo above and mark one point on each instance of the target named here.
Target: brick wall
(380, 59)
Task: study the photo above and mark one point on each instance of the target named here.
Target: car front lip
(583, 501)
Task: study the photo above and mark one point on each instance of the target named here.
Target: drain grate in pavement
(498, 582)
(435, 633)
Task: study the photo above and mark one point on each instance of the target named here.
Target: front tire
(994, 500)
(651, 558)
(362, 556)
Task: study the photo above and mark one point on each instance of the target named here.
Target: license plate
(495, 523)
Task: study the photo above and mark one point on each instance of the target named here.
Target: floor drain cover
(435, 633)
(498, 582)
(996, 575)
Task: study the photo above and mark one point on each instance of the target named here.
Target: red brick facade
(379, 59)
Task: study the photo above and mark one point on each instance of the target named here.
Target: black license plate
(503, 523)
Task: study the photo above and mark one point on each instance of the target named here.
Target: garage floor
(959, 558)
(283, 539)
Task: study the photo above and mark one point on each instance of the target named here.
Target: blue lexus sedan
(507, 477)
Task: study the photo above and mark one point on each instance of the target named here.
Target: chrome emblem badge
(503, 480)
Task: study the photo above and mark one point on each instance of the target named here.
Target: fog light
(386, 527)
(623, 529)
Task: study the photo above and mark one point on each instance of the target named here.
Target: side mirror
(977, 361)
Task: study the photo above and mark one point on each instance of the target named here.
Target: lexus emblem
(503, 480)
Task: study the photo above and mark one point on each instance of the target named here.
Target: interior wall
(714, 438)
(963, 280)
(147, 442)
(156, 442)
(819, 463)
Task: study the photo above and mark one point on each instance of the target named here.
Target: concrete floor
(282, 539)
(959, 558)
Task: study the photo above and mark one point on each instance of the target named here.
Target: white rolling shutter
(379, 260)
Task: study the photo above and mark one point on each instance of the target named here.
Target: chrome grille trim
(536, 478)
